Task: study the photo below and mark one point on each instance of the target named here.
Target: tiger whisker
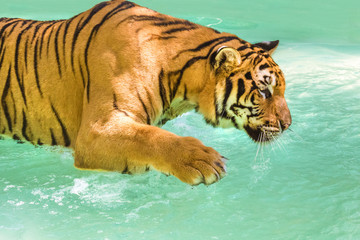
(262, 146)
(259, 145)
(296, 134)
(272, 141)
(282, 144)
(277, 141)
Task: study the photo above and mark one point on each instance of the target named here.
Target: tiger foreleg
(124, 145)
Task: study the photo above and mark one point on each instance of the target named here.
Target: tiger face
(249, 91)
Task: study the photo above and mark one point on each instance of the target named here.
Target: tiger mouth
(263, 133)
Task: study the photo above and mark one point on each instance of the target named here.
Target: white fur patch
(268, 78)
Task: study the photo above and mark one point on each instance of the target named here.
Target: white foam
(80, 186)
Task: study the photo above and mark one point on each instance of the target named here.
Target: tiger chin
(103, 82)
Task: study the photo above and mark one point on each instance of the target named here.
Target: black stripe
(43, 35)
(56, 41)
(233, 120)
(257, 60)
(156, 37)
(228, 88)
(36, 30)
(216, 31)
(252, 99)
(217, 109)
(115, 103)
(174, 22)
(87, 65)
(3, 100)
(67, 141)
(140, 18)
(253, 86)
(150, 102)
(17, 138)
(88, 85)
(82, 73)
(39, 142)
(3, 29)
(262, 82)
(26, 53)
(2, 57)
(2, 41)
(243, 48)
(48, 40)
(23, 130)
(206, 44)
(24, 22)
(80, 26)
(126, 169)
(185, 92)
(162, 90)
(169, 85)
(181, 72)
(222, 60)
(36, 67)
(190, 62)
(240, 106)
(121, 7)
(182, 29)
(14, 107)
(53, 139)
(67, 25)
(249, 54)
(116, 107)
(73, 45)
(241, 89)
(12, 29)
(145, 109)
(264, 66)
(16, 62)
(208, 121)
(248, 76)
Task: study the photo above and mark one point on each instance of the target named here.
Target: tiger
(104, 82)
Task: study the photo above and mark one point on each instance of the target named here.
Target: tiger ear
(268, 46)
(227, 58)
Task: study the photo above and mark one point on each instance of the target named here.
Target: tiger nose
(283, 114)
(285, 122)
(285, 125)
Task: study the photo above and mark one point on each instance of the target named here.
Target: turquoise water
(305, 186)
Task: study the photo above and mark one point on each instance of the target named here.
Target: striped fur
(101, 81)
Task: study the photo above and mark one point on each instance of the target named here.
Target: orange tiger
(103, 82)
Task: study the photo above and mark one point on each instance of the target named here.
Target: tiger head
(249, 91)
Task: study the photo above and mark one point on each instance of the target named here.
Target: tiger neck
(188, 71)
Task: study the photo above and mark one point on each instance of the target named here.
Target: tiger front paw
(194, 163)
